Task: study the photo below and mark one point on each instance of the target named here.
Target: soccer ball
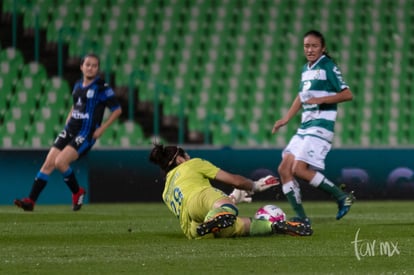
(271, 213)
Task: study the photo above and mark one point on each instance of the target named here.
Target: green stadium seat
(123, 75)
(57, 93)
(13, 134)
(40, 134)
(228, 60)
(9, 71)
(27, 94)
(129, 134)
(108, 139)
(6, 92)
(42, 9)
(34, 69)
(6, 142)
(223, 136)
(47, 123)
(14, 58)
(63, 23)
(8, 6)
(40, 141)
(25, 99)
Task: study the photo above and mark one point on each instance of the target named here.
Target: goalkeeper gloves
(264, 183)
(259, 185)
(238, 196)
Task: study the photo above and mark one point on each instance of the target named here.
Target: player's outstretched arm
(294, 108)
(243, 183)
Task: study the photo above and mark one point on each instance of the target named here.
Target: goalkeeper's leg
(216, 220)
(292, 228)
(264, 227)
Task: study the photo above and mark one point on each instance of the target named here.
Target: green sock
(230, 208)
(292, 193)
(319, 181)
(213, 212)
(260, 227)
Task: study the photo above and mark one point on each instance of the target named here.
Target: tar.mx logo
(367, 248)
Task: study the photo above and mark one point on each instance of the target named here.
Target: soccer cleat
(292, 228)
(344, 205)
(26, 204)
(218, 222)
(77, 199)
(306, 221)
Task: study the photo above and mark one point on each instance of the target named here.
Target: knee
(301, 171)
(48, 166)
(284, 170)
(60, 164)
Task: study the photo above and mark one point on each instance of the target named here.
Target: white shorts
(309, 149)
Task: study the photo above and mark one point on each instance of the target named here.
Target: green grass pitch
(376, 237)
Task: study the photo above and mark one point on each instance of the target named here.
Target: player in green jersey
(321, 89)
(204, 211)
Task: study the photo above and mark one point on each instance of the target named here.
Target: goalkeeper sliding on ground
(207, 212)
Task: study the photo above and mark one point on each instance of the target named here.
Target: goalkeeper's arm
(243, 183)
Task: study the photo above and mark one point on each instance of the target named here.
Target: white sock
(317, 179)
(292, 186)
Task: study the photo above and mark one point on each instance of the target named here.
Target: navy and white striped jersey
(89, 105)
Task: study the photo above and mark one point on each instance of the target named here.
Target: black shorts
(81, 144)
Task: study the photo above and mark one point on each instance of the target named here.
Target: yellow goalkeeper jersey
(185, 180)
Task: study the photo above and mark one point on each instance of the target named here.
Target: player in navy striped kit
(84, 125)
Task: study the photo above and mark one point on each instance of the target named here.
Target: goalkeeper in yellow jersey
(205, 211)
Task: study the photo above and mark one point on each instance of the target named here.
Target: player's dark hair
(90, 55)
(319, 35)
(165, 156)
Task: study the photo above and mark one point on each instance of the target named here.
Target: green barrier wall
(18, 169)
(127, 176)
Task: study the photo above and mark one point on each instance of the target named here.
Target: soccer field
(374, 238)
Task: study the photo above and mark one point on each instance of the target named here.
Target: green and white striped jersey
(323, 78)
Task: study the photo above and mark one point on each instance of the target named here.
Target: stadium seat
(13, 133)
(129, 134)
(108, 139)
(40, 141)
(14, 58)
(8, 6)
(6, 88)
(42, 9)
(63, 22)
(35, 70)
(239, 60)
(10, 71)
(57, 93)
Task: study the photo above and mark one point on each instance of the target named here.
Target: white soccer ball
(270, 213)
